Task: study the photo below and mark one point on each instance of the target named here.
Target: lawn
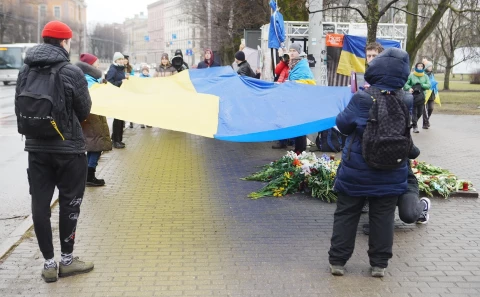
(463, 97)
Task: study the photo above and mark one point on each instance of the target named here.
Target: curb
(465, 194)
(15, 238)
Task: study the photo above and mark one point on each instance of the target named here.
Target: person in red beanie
(95, 127)
(51, 100)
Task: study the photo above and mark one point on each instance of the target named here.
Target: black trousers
(428, 110)
(417, 113)
(409, 206)
(346, 218)
(68, 172)
(300, 144)
(117, 130)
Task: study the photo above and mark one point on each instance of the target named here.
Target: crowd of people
(64, 145)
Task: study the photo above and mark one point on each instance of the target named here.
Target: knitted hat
(88, 58)
(240, 56)
(117, 56)
(420, 63)
(296, 47)
(56, 29)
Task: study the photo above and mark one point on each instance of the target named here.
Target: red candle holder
(465, 186)
(332, 157)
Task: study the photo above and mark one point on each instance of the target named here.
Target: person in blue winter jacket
(355, 180)
(95, 127)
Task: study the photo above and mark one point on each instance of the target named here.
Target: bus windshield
(11, 58)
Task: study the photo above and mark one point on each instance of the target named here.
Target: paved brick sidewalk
(174, 220)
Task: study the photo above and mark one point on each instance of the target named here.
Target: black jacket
(77, 100)
(116, 75)
(245, 69)
(203, 65)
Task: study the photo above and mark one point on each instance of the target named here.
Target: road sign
(174, 36)
(147, 38)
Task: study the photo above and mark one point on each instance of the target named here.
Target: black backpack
(330, 140)
(40, 106)
(386, 140)
(418, 95)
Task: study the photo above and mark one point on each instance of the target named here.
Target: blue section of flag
(253, 110)
(356, 44)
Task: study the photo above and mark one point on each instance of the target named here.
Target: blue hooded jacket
(389, 71)
(276, 34)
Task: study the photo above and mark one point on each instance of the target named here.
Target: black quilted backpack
(386, 139)
(40, 106)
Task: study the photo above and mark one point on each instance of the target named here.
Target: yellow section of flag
(350, 62)
(437, 97)
(170, 103)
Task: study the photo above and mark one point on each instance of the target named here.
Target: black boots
(92, 181)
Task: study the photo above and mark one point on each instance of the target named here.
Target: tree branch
(339, 7)
(458, 11)
(408, 12)
(384, 10)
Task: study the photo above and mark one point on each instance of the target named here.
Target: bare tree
(372, 15)
(456, 30)
(106, 40)
(222, 22)
(6, 20)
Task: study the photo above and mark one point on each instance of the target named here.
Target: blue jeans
(93, 159)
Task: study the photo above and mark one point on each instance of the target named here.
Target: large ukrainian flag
(353, 58)
(217, 103)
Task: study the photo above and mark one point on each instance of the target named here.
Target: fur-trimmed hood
(89, 69)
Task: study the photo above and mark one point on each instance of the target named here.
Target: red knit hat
(56, 29)
(88, 58)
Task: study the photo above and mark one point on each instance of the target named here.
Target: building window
(56, 12)
(43, 11)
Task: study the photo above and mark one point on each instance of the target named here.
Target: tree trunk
(415, 41)
(372, 26)
(372, 20)
(448, 70)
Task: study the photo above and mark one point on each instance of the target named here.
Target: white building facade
(172, 28)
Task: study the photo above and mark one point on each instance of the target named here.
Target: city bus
(11, 60)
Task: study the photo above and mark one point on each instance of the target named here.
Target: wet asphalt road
(14, 197)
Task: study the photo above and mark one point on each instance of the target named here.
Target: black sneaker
(131, 125)
(94, 182)
(425, 127)
(142, 126)
(424, 217)
(118, 145)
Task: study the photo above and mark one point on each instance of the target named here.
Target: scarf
(293, 62)
(418, 72)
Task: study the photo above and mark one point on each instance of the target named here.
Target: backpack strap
(54, 72)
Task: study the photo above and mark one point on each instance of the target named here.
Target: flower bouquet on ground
(314, 175)
(294, 173)
(433, 179)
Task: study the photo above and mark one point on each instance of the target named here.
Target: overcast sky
(109, 11)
